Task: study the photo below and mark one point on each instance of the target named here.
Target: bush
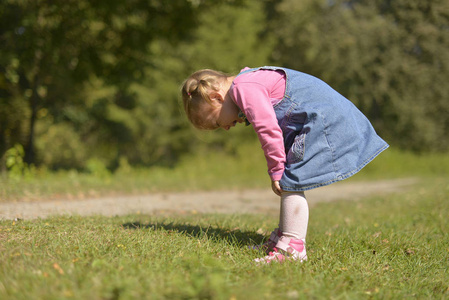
(59, 146)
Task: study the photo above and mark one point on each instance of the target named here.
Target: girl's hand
(276, 187)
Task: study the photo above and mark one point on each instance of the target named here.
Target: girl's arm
(254, 100)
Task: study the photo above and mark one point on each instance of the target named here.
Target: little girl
(310, 134)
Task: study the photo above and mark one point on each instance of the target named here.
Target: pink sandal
(269, 245)
(286, 249)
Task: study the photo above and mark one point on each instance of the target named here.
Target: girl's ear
(215, 95)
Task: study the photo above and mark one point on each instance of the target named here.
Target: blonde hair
(195, 94)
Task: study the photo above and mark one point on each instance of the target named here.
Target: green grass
(389, 247)
(206, 171)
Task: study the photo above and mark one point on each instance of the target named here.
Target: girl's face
(223, 115)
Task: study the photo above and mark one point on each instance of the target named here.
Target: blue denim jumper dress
(326, 138)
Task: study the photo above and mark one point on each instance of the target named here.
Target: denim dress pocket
(296, 152)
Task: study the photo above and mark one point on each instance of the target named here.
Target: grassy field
(377, 248)
(382, 248)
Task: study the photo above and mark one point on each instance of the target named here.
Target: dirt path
(248, 201)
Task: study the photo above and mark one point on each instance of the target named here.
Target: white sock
(294, 216)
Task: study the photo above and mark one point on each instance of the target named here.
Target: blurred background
(93, 86)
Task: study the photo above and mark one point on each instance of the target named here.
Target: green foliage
(97, 168)
(231, 38)
(390, 247)
(101, 79)
(60, 147)
(388, 57)
(17, 168)
(13, 110)
(50, 50)
(157, 130)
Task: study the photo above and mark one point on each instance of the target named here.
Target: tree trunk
(3, 147)
(34, 103)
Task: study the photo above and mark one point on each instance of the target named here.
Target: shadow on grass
(236, 236)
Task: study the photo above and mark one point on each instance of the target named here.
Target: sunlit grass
(383, 248)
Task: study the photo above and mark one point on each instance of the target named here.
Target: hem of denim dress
(338, 178)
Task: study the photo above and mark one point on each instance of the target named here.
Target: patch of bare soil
(246, 201)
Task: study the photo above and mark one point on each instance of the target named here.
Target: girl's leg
(294, 216)
(293, 221)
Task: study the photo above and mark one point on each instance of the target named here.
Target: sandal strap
(284, 243)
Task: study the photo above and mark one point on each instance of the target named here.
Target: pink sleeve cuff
(276, 176)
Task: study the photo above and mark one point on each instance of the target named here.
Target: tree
(228, 37)
(389, 57)
(49, 49)
(147, 125)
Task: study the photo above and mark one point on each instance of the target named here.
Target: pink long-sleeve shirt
(255, 93)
